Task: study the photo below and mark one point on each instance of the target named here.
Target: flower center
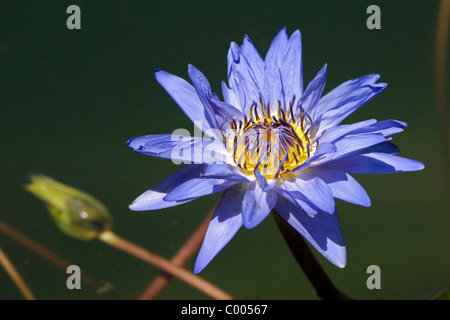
(273, 144)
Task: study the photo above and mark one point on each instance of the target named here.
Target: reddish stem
(182, 256)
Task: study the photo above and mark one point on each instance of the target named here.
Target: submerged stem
(41, 251)
(179, 259)
(15, 276)
(201, 284)
(312, 269)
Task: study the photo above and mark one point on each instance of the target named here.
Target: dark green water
(70, 99)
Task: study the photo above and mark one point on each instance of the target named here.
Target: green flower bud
(75, 213)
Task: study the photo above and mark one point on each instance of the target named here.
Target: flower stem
(179, 259)
(312, 269)
(15, 276)
(41, 251)
(32, 245)
(442, 30)
(197, 282)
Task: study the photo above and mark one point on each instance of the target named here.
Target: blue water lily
(271, 144)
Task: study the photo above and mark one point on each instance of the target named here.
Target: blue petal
(313, 188)
(335, 133)
(385, 147)
(387, 128)
(273, 93)
(185, 96)
(153, 198)
(342, 185)
(242, 79)
(277, 48)
(224, 171)
(181, 149)
(355, 143)
(314, 90)
(226, 221)
(257, 204)
(254, 59)
(198, 187)
(350, 145)
(299, 200)
(323, 231)
(230, 96)
(263, 183)
(375, 163)
(226, 111)
(345, 99)
(210, 102)
(292, 68)
(322, 151)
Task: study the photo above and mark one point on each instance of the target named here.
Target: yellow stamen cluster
(271, 142)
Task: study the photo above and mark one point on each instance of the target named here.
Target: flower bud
(75, 213)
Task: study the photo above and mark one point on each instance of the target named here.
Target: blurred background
(70, 99)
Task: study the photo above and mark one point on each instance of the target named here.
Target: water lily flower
(271, 144)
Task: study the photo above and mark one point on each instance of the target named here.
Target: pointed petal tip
(159, 74)
(330, 207)
(324, 71)
(133, 206)
(363, 202)
(296, 33)
(197, 270)
(419, 166)
(191, 67)
(235, 51)
(381, 86)
(375, 76)
(199, 266)
(133, 145)
(282, 34)
(138, 204)
(341, 263)
(156, 71)
(367, 203)
(402, 123)
(336, 254)
(372, 81)
(410, 165)
(248, 224)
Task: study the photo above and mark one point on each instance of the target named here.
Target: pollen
(271, 141)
